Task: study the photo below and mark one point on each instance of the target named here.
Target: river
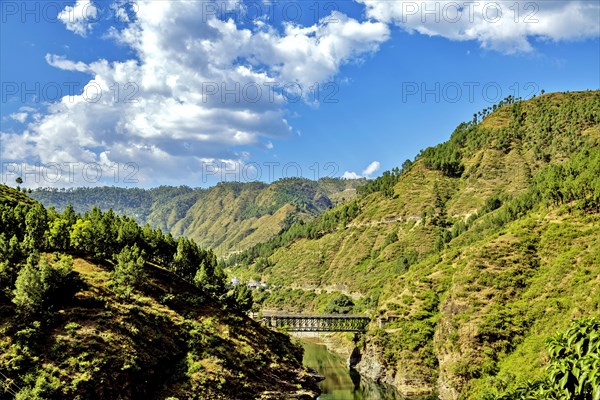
(341, 382)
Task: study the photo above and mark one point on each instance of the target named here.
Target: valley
(299, 200)
(496, 261)
(229, 217)
(465, 260)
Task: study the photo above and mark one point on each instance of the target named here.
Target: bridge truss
(317, 323)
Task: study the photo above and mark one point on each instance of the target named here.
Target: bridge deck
(336, 316)
(317, 322)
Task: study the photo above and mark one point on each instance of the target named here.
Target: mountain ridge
(459, 286)
(469, 256)
(229, 216)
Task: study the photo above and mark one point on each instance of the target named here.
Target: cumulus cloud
(79, 18)
(371, 168)
(200, 89)
(350, 175)
(506, 26)
(315, 53)
(366, 173)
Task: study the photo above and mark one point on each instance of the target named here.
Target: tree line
(30, 232)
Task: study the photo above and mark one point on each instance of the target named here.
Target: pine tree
(241, 298)
(129, 272)
(58, 235)
(29, 293)
(81, 235)
(36, 224)
(186, 260)
(69, 215)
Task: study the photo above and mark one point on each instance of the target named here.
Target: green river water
(342, 383)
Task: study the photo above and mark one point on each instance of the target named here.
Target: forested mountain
(228, 217)
(96, 307)
(469, 256)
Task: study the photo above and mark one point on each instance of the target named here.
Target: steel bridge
(317, 323)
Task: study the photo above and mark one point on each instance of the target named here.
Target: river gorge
(342, 382)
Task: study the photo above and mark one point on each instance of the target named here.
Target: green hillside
(472, 254)
(12, 196)
(86, 312)
(228, 217)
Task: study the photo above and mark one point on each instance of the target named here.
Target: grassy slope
(478, 313)
(228, 217)
(100, 346)
(474, 315)
(157, 344)
(11, 196)
(358, 258)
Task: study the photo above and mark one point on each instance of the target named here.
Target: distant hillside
(472, 254)
(12, 196)
(86, 312)
(228, 217)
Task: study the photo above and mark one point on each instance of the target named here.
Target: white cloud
(367, 172)
(351, 175)
(120, 11)
(20, 116)
(61, 62)
(371, 168)
(79, 18)
(172, 106)
(504, 25)
(315, 53)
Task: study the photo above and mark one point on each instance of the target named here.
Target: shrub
(340, 304)
(573, 371)
(40, 286)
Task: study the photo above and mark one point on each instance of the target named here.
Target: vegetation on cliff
(472, 254)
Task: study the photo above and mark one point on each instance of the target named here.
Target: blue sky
(387, 74)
